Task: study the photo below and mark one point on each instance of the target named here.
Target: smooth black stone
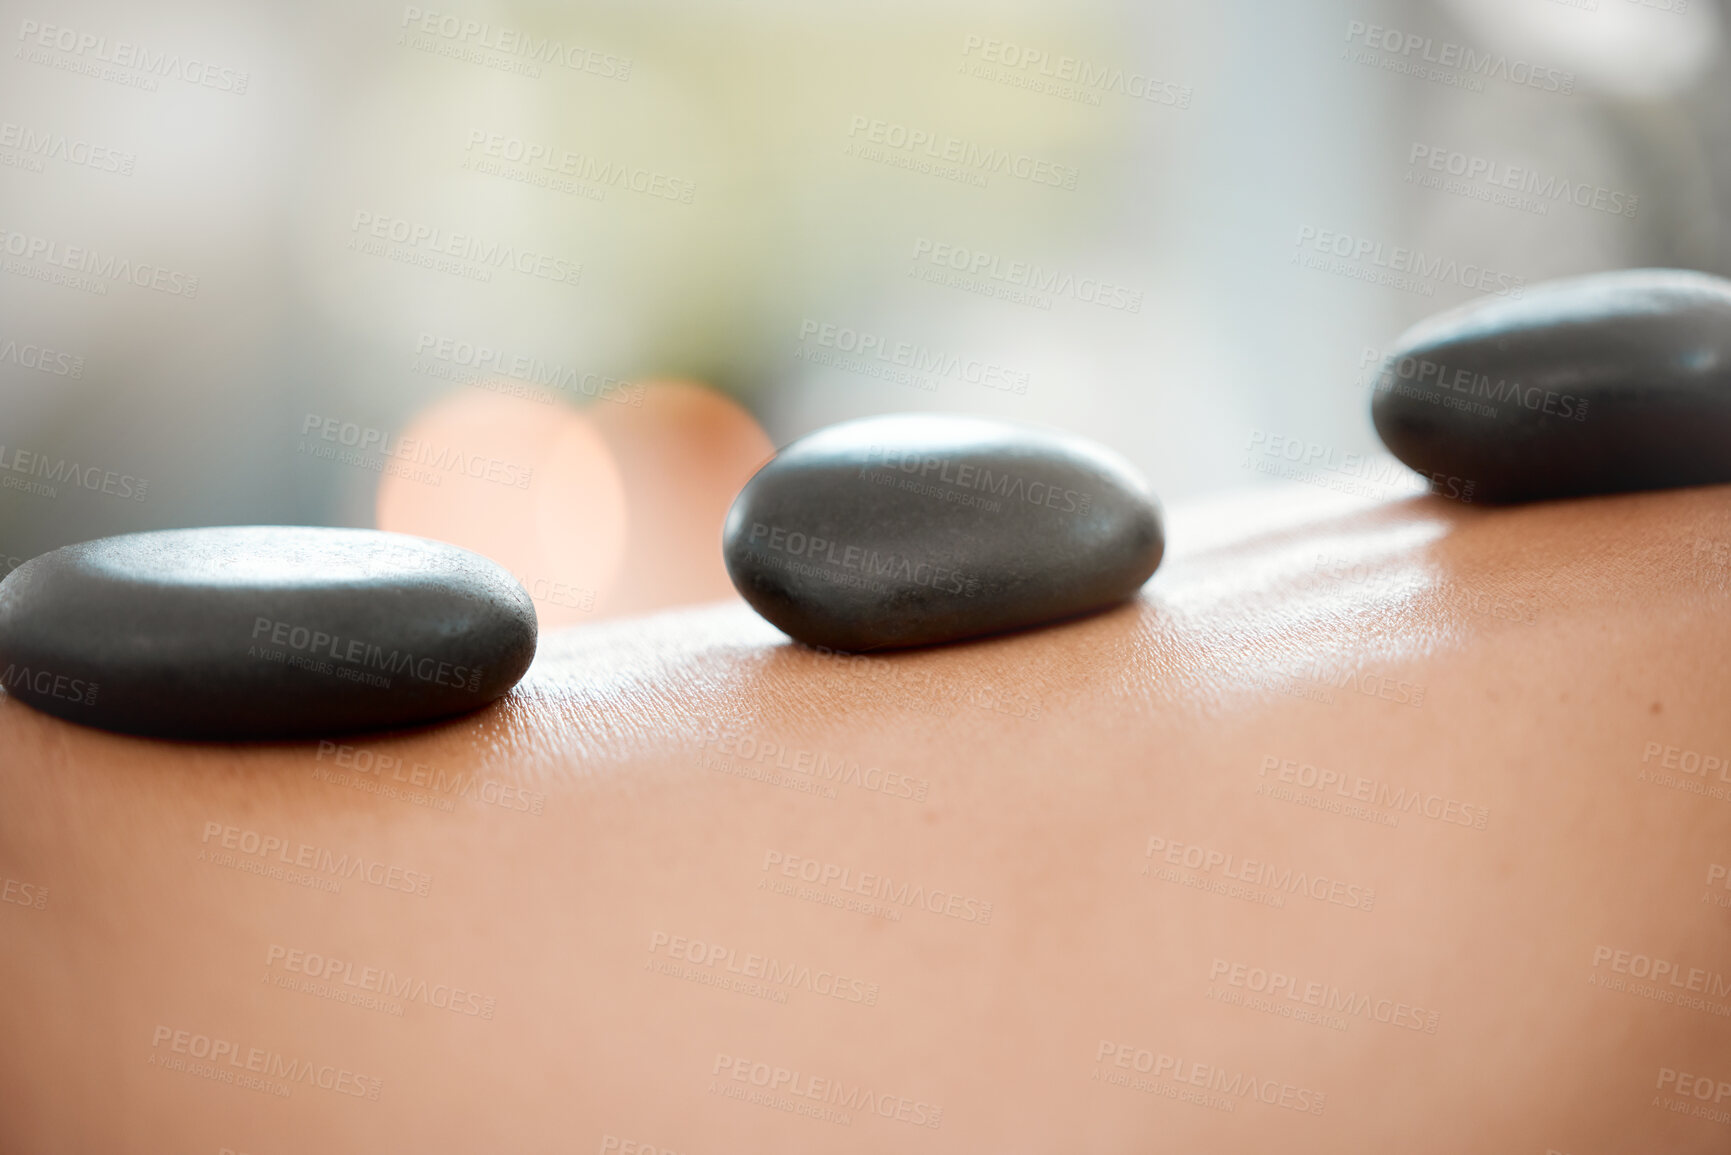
(1597, 384)
(190, 633)
(912, 530)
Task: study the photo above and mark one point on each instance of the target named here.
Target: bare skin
(1402, 829)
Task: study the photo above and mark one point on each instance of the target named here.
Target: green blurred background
(768, 202)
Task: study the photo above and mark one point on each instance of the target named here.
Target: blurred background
(550, 280)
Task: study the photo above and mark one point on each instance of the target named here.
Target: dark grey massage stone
(911, 530)
(261, 632)
(1597, 384)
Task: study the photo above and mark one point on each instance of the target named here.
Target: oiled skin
(1555, 645)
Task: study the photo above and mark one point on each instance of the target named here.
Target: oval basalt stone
(1597, 384)
(917, 529)
(261, 632)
